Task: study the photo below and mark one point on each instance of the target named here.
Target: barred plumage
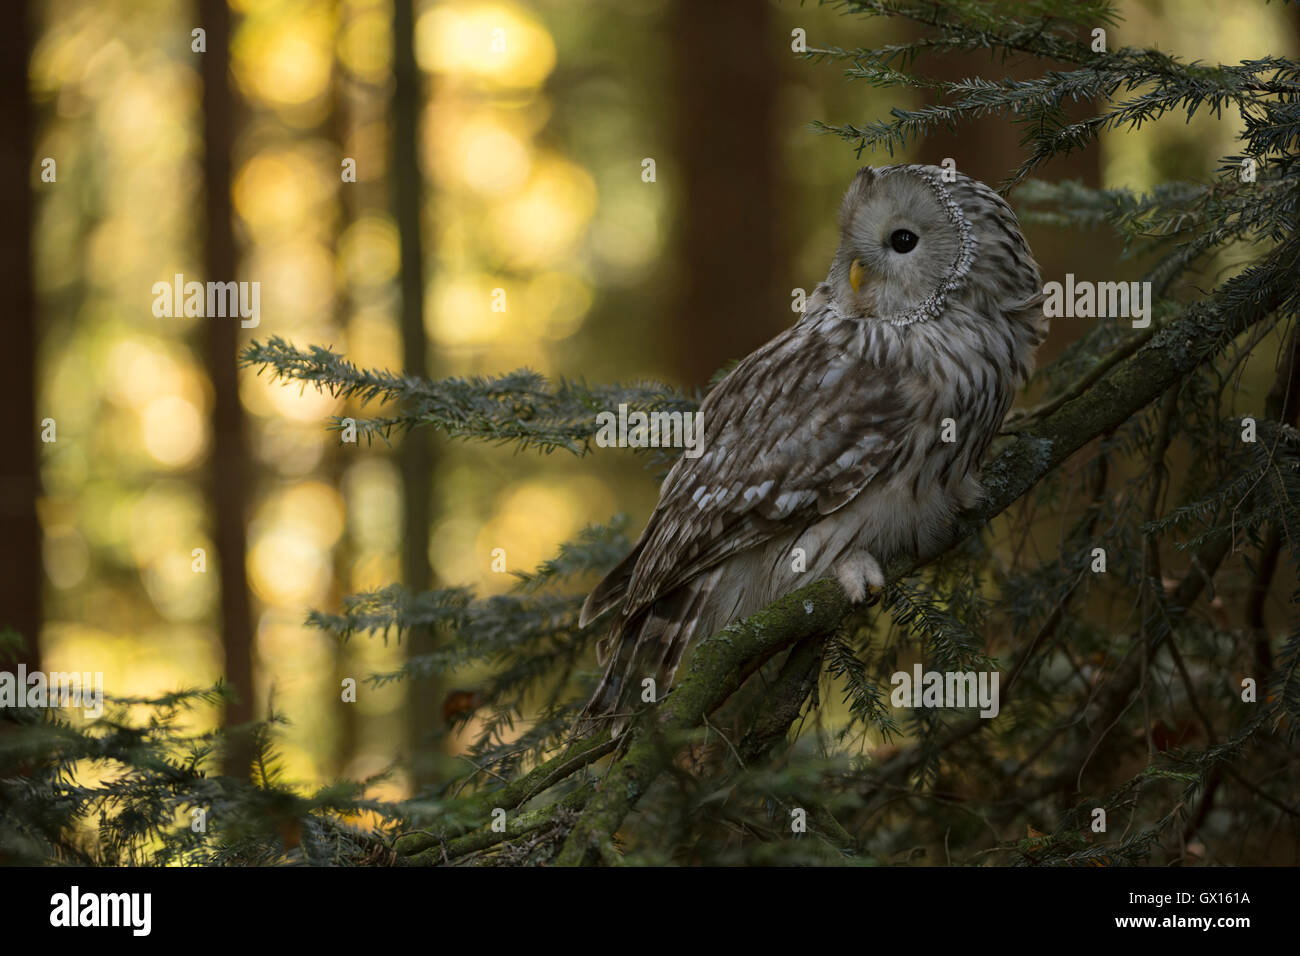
(831, 437)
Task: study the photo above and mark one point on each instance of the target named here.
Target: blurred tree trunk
(229, 470)
(416, 454)
(335, 131)
(729, 252)
(20, 532)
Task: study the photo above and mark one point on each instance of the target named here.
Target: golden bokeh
(494, 43)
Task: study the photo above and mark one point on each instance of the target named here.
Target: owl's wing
(794, 432)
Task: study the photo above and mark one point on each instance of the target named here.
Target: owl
(852, 437)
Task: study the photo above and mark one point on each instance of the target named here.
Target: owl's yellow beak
(856, 274)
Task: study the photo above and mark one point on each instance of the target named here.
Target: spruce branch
(520, 407)
(541, 778)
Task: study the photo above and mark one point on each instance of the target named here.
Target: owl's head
(909, 241)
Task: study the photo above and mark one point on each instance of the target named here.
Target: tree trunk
(415, 455)
(20, 532)
(729, 255)
(228, 468)
(335, 131)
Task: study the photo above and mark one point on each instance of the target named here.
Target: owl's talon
(859, 575)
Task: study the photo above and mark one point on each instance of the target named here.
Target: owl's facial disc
(898, 246)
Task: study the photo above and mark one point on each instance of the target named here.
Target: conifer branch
(520, 407)
(580, 754)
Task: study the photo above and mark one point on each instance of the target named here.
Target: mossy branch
(485, 837)
(540, 779)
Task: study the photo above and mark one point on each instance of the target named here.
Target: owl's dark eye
(902, 240)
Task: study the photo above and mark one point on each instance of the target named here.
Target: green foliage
(118, 791)
(519, 407)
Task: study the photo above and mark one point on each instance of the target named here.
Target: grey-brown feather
(829, 437)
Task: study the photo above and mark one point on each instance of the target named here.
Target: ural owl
(853, 436)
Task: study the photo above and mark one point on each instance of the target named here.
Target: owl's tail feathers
(610, 590)
(647, 646)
